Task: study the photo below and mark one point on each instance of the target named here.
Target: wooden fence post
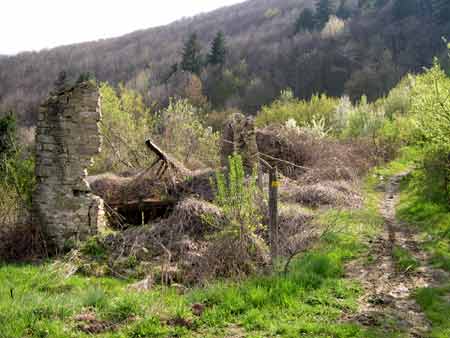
(273, 213)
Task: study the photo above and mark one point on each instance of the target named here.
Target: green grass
(309, 301)
(422, 206)
(404, 260)
(435, 302)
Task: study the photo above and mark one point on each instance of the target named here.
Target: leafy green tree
(404, 8)
(125, 124)
(324, 8)
(192, 58)
(16, 165)
(237, 196)
(218, 51)
(305, 21)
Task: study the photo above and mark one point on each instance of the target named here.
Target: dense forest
(333, 47)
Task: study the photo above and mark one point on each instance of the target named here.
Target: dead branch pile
(227, 257)
(191, 219)
(321, 158)
(119, 190)
(327, 193)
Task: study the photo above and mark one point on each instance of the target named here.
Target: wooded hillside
(269, 48)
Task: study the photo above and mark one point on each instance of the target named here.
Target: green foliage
(125, 125)
(363, 121)
(237, 196)
(8, 131)
(309, 301)
(405, 261)
(85, 76)
(435, 304)
(16, 168)
(305, 21)
(151, 327)
(185, 136)
(431, 104)
(287, 107)
(218, 51)
(192, 59)
(95, 297)
(398, 101)
(93, 247)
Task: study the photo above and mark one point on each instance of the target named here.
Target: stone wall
(239, 137)
(67, 138)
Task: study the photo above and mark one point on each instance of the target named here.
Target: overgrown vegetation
(222, 244)
(308, 301)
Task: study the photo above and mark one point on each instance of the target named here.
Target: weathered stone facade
(239, 136)
(67, 137)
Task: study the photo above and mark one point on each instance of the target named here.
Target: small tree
(218, 51)
(237, 196)
(305, 21)
(192, 59)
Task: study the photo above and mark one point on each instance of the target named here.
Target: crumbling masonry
(239, 137)
(67, 138)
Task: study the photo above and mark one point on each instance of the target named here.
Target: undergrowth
(422, 206)
(310, 301)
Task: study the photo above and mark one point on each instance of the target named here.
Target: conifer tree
(324, 8)
(441, 11)
(305, 21)
(404, 8)
(192, 59)
(218, 51)
(61, 81)
(343, 11)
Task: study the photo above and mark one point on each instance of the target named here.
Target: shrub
(363, 120)
(333, 28)
(398, 102)
(237, 196)
(431, 105)
(184, 135)
(302, 111)
(125, 124)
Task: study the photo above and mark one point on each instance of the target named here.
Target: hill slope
(369, 56)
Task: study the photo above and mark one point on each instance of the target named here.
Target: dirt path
(387, 301)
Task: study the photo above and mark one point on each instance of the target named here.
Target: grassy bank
(310, 301)
(422, 206)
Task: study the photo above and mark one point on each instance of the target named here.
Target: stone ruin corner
(67, 138)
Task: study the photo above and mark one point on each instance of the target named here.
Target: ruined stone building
(67, 138)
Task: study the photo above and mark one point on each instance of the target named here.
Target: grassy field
(312, 300)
